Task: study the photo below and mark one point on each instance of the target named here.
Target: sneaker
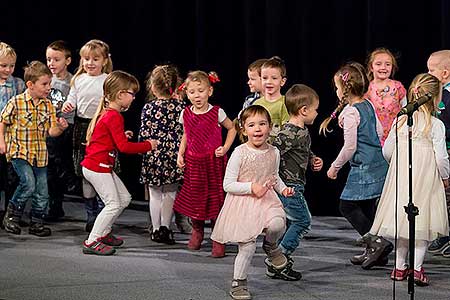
(420, 278)
(399, 275)
(446, 251)
(39, 230)
(98, 248)
(439, 244)
(286, 273)
(239, 290)
(111, 240)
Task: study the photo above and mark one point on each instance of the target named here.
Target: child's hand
(332, 172)
(288, 192)
(154, 143)
(445, 181)
(62, 123)
(221, 151)
(180, 161)
(316, 163)
(259, 190)
(129, 135)
(67, 107)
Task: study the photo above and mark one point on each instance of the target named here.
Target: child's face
(198, 93)
(125, 98)
(272, 81)
(438, 72)
(257, 129)
(40, 88)
(310, 112)
(381, 66)
(93, 63)
(57, 62)
(337, 84)
(7, 65)
(254, 81)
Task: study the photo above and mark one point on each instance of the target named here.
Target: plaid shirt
(27, 127)
(12, 86)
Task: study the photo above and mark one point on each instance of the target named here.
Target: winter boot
(11, 219)
(38, 229)
(360, 258)
(378, 249)
(274, 254)
(218, 250)
(198, 230)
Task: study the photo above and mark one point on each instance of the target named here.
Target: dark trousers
(359, 213)
(8, 179)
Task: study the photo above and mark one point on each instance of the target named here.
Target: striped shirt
(27, 126)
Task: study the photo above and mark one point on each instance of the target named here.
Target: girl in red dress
(203, 158)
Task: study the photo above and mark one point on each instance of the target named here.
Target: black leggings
(359, 213)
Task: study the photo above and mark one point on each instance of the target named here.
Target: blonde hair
(6, 50)
(34, 70)
(165, 79)
(201, 77)
(444, 59)
(98, 47)
(115, 82)
(421, 85)
(354, 82)
(371, 58)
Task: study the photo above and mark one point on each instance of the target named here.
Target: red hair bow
(213, 78)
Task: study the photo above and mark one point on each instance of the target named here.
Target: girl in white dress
(252, 206)
(430, 172)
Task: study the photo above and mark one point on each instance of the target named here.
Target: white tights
(161, 200)
(402, 253)
(246, 251)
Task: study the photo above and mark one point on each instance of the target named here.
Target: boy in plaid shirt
(25, 122)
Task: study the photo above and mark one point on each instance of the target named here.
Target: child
(252, 206)
(273, 76)
(362, 148)
(59, 148)
(439, 66)
(85, 94)
(10, 86)
(160, 120)
(105, 137)
(430, 169)
(254, 82)
(203, 157)
(294, 144)
(387, 95)
(24, 123)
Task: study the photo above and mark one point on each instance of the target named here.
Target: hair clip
(344, 76)
(213, 78)
(333, 115)
(182, 86)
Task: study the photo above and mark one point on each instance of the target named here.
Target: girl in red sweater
(106, 137)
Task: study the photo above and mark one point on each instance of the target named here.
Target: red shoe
(420, 278)
(111, 240)
(98, 248)
(399, 275)
(218, 250)
(196, 235)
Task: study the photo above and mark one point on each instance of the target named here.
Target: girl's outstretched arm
(228, 124)
(181, 150)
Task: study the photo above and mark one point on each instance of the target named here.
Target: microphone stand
(412, 211)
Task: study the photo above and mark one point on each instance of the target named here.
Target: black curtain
(313, 37)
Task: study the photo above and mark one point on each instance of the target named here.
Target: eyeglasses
(133, 94)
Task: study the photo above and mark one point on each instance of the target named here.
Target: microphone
(414, 105)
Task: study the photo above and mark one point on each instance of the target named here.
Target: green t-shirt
(278, 113)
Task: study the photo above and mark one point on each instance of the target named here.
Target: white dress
(429, 166)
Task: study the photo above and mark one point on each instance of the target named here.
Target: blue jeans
(93, 207)
(298, 219)
(32, 185)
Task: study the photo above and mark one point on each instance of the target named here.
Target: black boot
(379, 250)
(360, 258)
(38, 229)
(11, 220)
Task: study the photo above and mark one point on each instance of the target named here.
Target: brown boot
(274, 254)
(198, 231)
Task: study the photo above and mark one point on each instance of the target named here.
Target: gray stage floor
(55, 268)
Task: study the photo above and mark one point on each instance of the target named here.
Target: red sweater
(107, 140)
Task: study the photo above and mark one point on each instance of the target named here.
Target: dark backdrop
(313, 37)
